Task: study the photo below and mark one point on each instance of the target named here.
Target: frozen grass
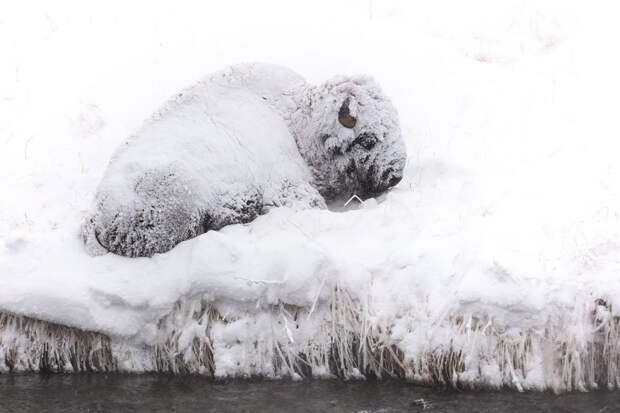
(345, 343)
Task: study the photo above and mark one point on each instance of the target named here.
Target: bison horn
(344, 115)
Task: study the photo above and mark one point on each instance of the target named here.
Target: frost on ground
(493, 263)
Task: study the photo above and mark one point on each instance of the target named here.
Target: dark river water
(161, 393)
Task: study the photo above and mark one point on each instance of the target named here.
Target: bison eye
(344, 115)
(366, 140)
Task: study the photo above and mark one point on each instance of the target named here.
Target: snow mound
(318, 293)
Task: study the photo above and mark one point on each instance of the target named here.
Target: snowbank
(493, 263)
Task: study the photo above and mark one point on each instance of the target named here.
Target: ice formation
(245, 139)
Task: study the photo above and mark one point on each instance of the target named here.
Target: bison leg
(162, 213)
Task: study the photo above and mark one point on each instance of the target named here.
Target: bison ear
(346, 115)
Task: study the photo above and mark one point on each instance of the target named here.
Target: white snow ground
(495, 246)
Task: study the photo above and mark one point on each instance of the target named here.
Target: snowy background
(509, 209)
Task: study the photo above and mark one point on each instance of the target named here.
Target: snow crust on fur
(348, 161)
(222, 152)
(216, 154)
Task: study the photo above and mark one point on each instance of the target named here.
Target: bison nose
(391, 177)
(395, 180)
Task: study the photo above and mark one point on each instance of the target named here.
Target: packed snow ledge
(494, 263)
(401, 288)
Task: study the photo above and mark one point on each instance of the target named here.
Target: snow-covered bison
(231, 146)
